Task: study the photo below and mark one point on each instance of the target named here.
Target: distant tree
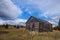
(14, 26)
(22, 26)
(6, 26)
(57, 28)
(3, 25)
(17, 27)
(59, 23)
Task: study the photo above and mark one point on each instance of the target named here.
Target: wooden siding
(35, 25)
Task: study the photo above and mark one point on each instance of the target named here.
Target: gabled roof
(38, 19)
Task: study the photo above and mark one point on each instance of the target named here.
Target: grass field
(23, 34)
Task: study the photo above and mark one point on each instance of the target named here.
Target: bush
(6, 26)
(57, 28)
(14, 26)
(17, 27)
(22, 26)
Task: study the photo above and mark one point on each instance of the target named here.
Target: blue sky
(19, 11)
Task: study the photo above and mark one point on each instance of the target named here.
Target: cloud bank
(16, 22)
(9, 13)
(13, 22)
(8, 10)
(1, 22)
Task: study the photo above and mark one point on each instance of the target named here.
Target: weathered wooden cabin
(35, 24)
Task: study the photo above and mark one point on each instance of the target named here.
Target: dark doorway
(33, 27)
(40, 27)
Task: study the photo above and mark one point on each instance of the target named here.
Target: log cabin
(39, 25)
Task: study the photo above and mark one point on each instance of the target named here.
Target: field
(23, 34)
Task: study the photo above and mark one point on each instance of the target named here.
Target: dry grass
(23, 34)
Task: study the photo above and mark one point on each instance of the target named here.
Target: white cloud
(26, 10)
(1, 22)
(19, 21)
(30, 12)
(13, 22)
(8, 10)
(54, 20)
(53, 23)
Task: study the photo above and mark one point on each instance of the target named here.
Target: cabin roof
(38, 19)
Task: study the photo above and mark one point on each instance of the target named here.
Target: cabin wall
(35, 25)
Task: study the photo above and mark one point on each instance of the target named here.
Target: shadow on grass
(4, 32)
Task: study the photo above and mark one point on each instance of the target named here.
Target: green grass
(23, 34)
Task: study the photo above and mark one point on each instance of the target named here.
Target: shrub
(17, 27)
(57, 28)
(6, 26)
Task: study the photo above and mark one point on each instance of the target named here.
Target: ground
(23, 34)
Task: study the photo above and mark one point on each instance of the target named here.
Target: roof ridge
(40, 19)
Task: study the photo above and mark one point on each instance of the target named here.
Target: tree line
(6, 26)
(57, 27)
